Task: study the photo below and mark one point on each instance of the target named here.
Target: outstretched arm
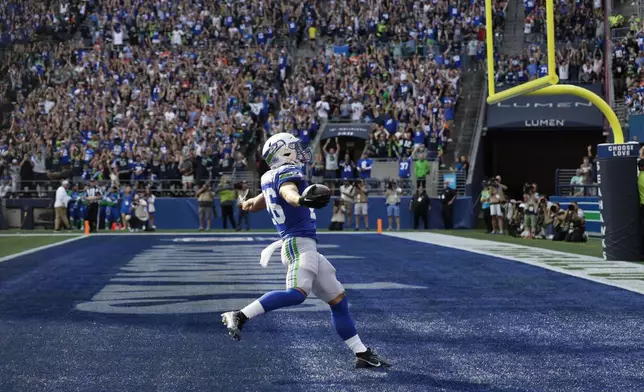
(290, 193)
(255, 204)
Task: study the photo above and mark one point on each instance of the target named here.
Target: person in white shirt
(337, 219)
(117, 37)
(356, 110)
(177, 37)
(322, 106)
(60, 206)
(140, 216)
(151, 199)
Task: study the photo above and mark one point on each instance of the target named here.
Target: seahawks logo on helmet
(285, 149)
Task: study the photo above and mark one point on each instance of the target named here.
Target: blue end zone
(132, 313)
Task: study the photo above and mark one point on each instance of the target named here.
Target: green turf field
(16, 243)
(591, 248)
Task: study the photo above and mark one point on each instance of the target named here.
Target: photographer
(569, 226)
(337, 219)
(205, 198)
(530, 208)
(392, 195)
(514, 213)
(485, 206)
(347, 195)
(543, 218)
(497, 197)
(140, 216)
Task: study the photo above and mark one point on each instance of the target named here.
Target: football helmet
(285, 149)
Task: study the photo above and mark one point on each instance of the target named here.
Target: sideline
(622, 274)
(37, 249)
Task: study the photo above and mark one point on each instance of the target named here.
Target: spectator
(331, 162)
(347, 168)
(577, 179)
(317, 170)
(392, 195)
(365, 164)
(421, 168)
(187, 173)
(404, 171)
(362, 204)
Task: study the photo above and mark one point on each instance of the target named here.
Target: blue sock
(280, 299)
(342, 320)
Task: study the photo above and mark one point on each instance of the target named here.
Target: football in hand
(318, 190)
(315, 196)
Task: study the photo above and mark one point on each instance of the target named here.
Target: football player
(291, 203)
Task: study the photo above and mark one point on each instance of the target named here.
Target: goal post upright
(619, 202)
(546, 85)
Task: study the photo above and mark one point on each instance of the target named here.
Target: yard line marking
(630, 274)
(38, 249)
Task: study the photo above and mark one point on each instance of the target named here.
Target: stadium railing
(564, 188)
(174, 187)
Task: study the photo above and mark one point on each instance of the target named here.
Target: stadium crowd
(628, 67)
(579, 30)
(177, 92)
(25, 21)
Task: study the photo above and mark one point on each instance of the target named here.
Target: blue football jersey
(288, 220)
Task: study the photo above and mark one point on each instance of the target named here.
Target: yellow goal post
(545, 85)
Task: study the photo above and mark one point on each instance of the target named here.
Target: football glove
(312, 198)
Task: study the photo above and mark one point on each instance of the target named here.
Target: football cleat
(233, 323)
(369, 359)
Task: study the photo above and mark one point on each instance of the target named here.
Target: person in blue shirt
(347, 168)
(73, 207)
(126, 205)
(110, 202)
(365, 164)
(291, 204)
(404, 171)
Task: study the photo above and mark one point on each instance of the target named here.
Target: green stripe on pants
(297, 262)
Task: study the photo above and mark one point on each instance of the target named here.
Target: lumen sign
(546, 111)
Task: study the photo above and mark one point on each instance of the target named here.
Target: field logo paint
(183, 278)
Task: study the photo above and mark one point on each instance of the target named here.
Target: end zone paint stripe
(38, 249)
(585, 267)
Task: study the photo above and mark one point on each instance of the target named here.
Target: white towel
(267, 253)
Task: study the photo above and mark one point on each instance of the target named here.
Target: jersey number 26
(275, 210)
